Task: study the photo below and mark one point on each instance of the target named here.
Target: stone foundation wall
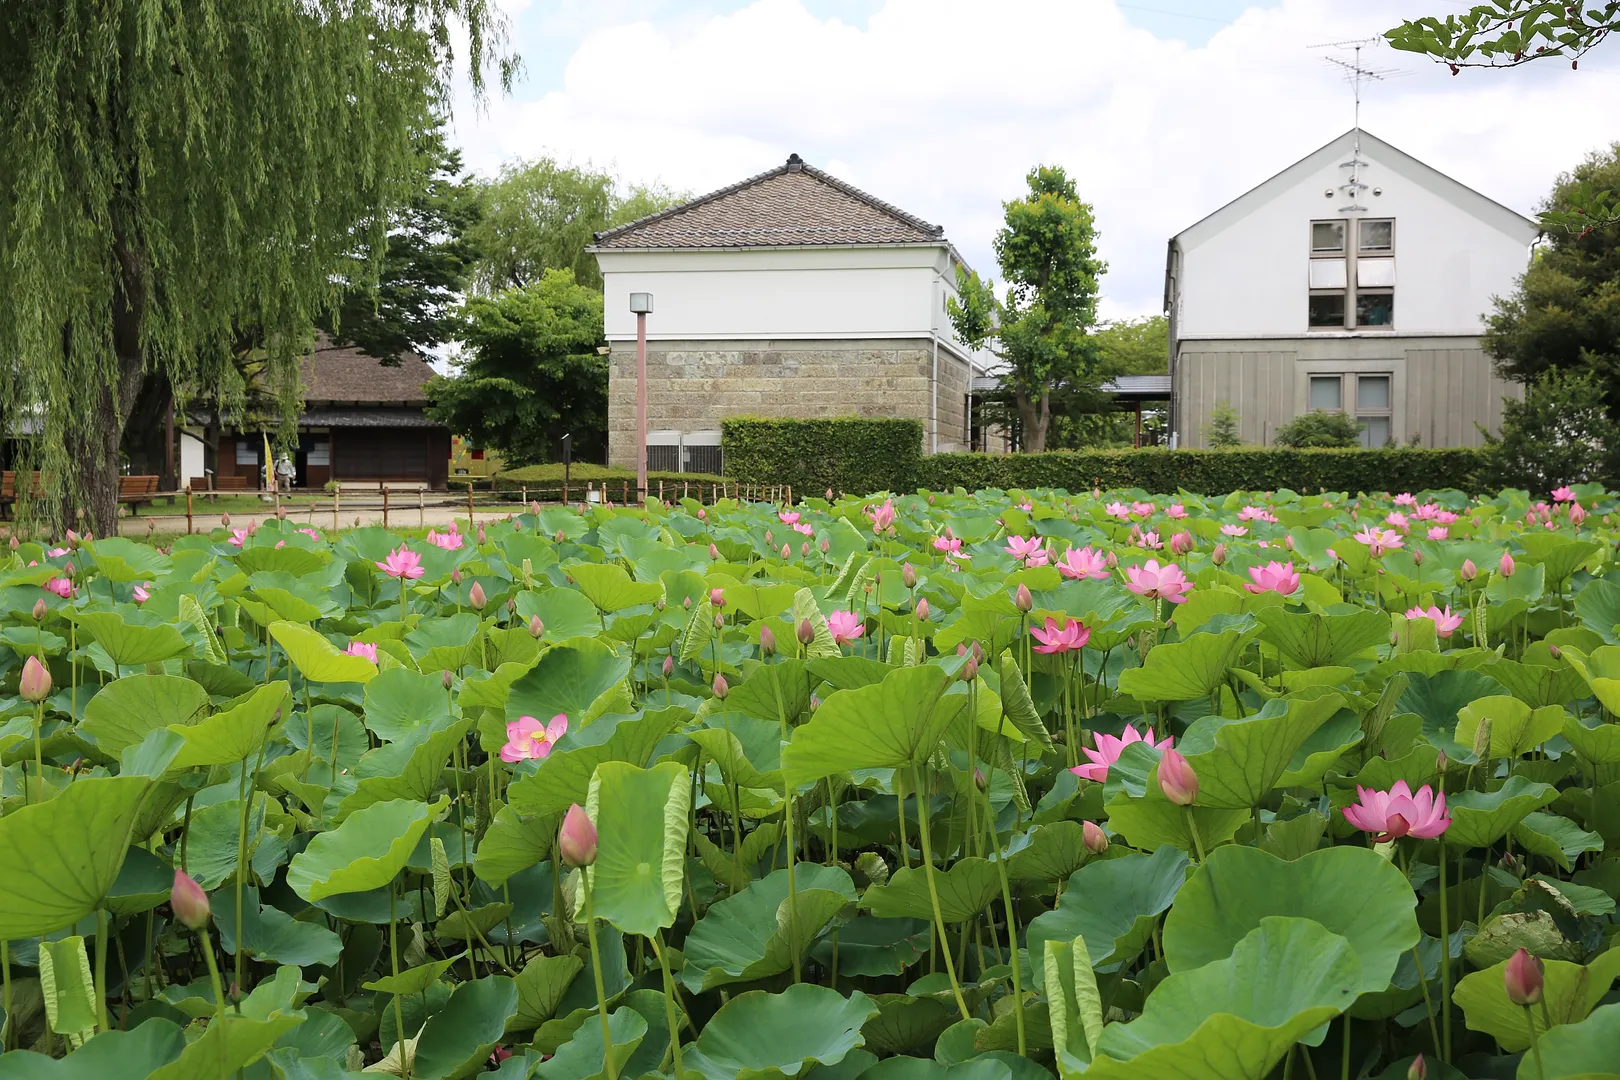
(693, 385)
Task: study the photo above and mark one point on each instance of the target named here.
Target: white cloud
(941, 106)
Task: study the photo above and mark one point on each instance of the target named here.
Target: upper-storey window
(1351, 278)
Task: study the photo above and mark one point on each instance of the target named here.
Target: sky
(1161, 111)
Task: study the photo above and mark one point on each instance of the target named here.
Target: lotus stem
(1006, 902)
(900, 794)
(1192, 830)
(393, 969)
(1535, 1042)
(933, 896)
(669, 1004)
(101, 968)
(1445, 957)
(213, 970)
(5, 974)
(609, 1067)
(39, 752)
(793, 890)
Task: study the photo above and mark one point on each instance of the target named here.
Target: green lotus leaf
(563, 613)
(760, 1036)
(297, 561)
(966, 889)
(564, 777)
(748, 750)
(125, 711)
(1114, 905)
(1479, 818)
(235, 734)
(749, 936)
(1537, 684)
(894, 723)
(1055, 851)
(575, 680)
(986, 1067)
(611, 589)
(1583, 1051)
(541, 986)
(385, 777)
(1017, 706)
(271, 934)
(229, 1043)
(1322, 750)
(68, 988)
(905, 1023)
(1601, 667)
(1438, 698)
(1556, 838)
(1234, 1018)
(140, 1052)
(1076, 1004)
(1239, 761)
(366, 852)
(641, 819)
(62, 857)
(1152, 821)
(1516, 728)
(873, 946)
(582, 1057)
(1352, 891)
(514, 841)
(1311, 639)
(413, 980)
(457, 1039)
(399, 701)
(317, 659)
(1569, 992)
(1599, 744)
(211, 839)
(143, 641)
(1184, 670)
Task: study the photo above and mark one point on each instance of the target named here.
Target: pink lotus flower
(1083, 563)
(57, 553)
(1563, 494)
(788, 517)
(402, 563)
(1109, 748)
(1396, 519)
(882, 516)
(1444, 621)
(804, 528)
(1576, 514)
(1438, 532)
(1026, 507)
(449, 541)
(1406, 498)
(1118, 510)
(1020, 548)
(1426, 512)
(1142, 509)
(1379, 540)
(312, 534)
(239, 537)
(61, 586)
(140, 592)
(846, 626)
(1176, 510)
(950, 545)
(1177, 779)
(362, 648)
(1273, 577)
(527, 739)
(1038, 557)
(1158, 582)
(1072, 635)
(1397, 812)
(1150, 540)
(1234, 530)
(576, 840)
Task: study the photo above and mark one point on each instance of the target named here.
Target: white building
(1356, 279)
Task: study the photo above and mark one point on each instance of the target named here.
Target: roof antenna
(1355, 74)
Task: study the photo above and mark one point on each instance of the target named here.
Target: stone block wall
(693, 385)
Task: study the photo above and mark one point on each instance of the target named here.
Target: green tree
(174, 180)
(1564, 312)
(532, 373)
(1047, 251)
(1222, 432)
(1319, 429)
(541, 215)
(1559, 434)
(1134, 347)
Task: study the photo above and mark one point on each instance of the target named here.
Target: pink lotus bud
(1095, 839)
(1417, 558)
(511, 606)
(1469, 570)
(769, 539)
(1288, 542)
(1555, 652)
(1440, 762)
(534, 507)
(978, 779)
(446, 679)
(1522, 978)
(1218, 556)
(476, 598)
(190, 903)
(455, 575)
(480, 534)
(1177, 779)
(67, 570)
(702, 514)
(35, 682)
(536, 627)
(1576, 514)
(714, 552)
(804, 550)
(970, 670)
(1111, 561)
(826, 545)
(1021, 599)
(721, 687)
(767, 641)
(787, 552)
(922, 609)
(225, 520)
(719, 622)
(978, 652)
(14, 544)
(717, 597)
(1417, 1070)
(805, 632)
(40, 610)
(669, 666)
(560, 536)
(961, 648)
(908, 576)
(576, 841)
(1506, 566)
(1181, 543)
(829, 494)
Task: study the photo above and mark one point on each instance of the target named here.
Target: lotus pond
(993, 786)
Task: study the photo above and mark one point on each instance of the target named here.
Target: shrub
(1320, 430)
(848, 454)
(1222, 431)
(1559, 434)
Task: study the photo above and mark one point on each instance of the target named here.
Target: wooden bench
(134, 490)
(8, 490)
(200, 485)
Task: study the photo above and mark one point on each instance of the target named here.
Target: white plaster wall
(191, 454)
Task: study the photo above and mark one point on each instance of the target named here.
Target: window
(1328, 274)
(1375, 273)
(320, 453)
(1327, 237)
(1352, 287)
(1376, 234)
(1327, 392)
(1327, 310)
(247, 452)
(1375, 307)
(1373, 408)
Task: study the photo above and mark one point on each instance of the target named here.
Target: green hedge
(848, 454)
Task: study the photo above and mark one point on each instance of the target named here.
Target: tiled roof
(347, 376)
(358, 418)
(793, 203)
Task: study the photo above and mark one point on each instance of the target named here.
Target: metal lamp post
(642, 304)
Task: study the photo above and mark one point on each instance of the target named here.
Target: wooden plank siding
(1452, 391)
(1259, 385)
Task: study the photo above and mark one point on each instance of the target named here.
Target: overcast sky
(1162, 110)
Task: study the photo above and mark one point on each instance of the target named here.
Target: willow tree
(180, 179)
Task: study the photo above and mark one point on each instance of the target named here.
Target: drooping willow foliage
(181, 183)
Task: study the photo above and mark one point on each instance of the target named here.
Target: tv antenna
(1356, 73)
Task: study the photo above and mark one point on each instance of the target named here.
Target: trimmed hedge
(582, 473)
(848, 454)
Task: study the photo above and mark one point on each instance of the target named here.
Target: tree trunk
(1034, 417)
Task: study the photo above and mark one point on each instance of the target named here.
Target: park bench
(134, 490)
(8, 491)
(199, 484)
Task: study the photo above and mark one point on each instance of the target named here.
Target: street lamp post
(641, 303)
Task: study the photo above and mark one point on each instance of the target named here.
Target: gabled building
(1357, 279)
(789, 294)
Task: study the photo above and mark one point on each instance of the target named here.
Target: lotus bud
(281, 513)
(686, 602)
(970, 670)
(1441, 762)
(669, 666)
(39, 610)
(702, 514)
(922, 609)
(67, 570)
(225, 520)
(1096, 840)
(511, 606)
(767, 641)
(481, 537)
(1510, 862)
(1482, 739)
(978, 779)
(1177, 779)
(1021, 599)
(455, 575)
(805, 632)
(1417, 558)
(787, 552)
(714, 552)
(14, 544)
(1522, 978)
(1181, 543)
(826, 545)
(1576, 514)
(1288, 542)
(717, 598)
(536, 627)
(978, 652)
(576, 841)
(1111, 561)
(35, 682)
(189, 901)
(769, 539)
(804, 550)
(1469, 570)
(908, 576)
(1218, 556)
(446, 678)
(721, 687)
(1417, 1070)
(719, 622)
(829, 495)
(961, 648)
(476, 598)
(534, 507)
(1555, 652)
(559, 537)
(1506, 565)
